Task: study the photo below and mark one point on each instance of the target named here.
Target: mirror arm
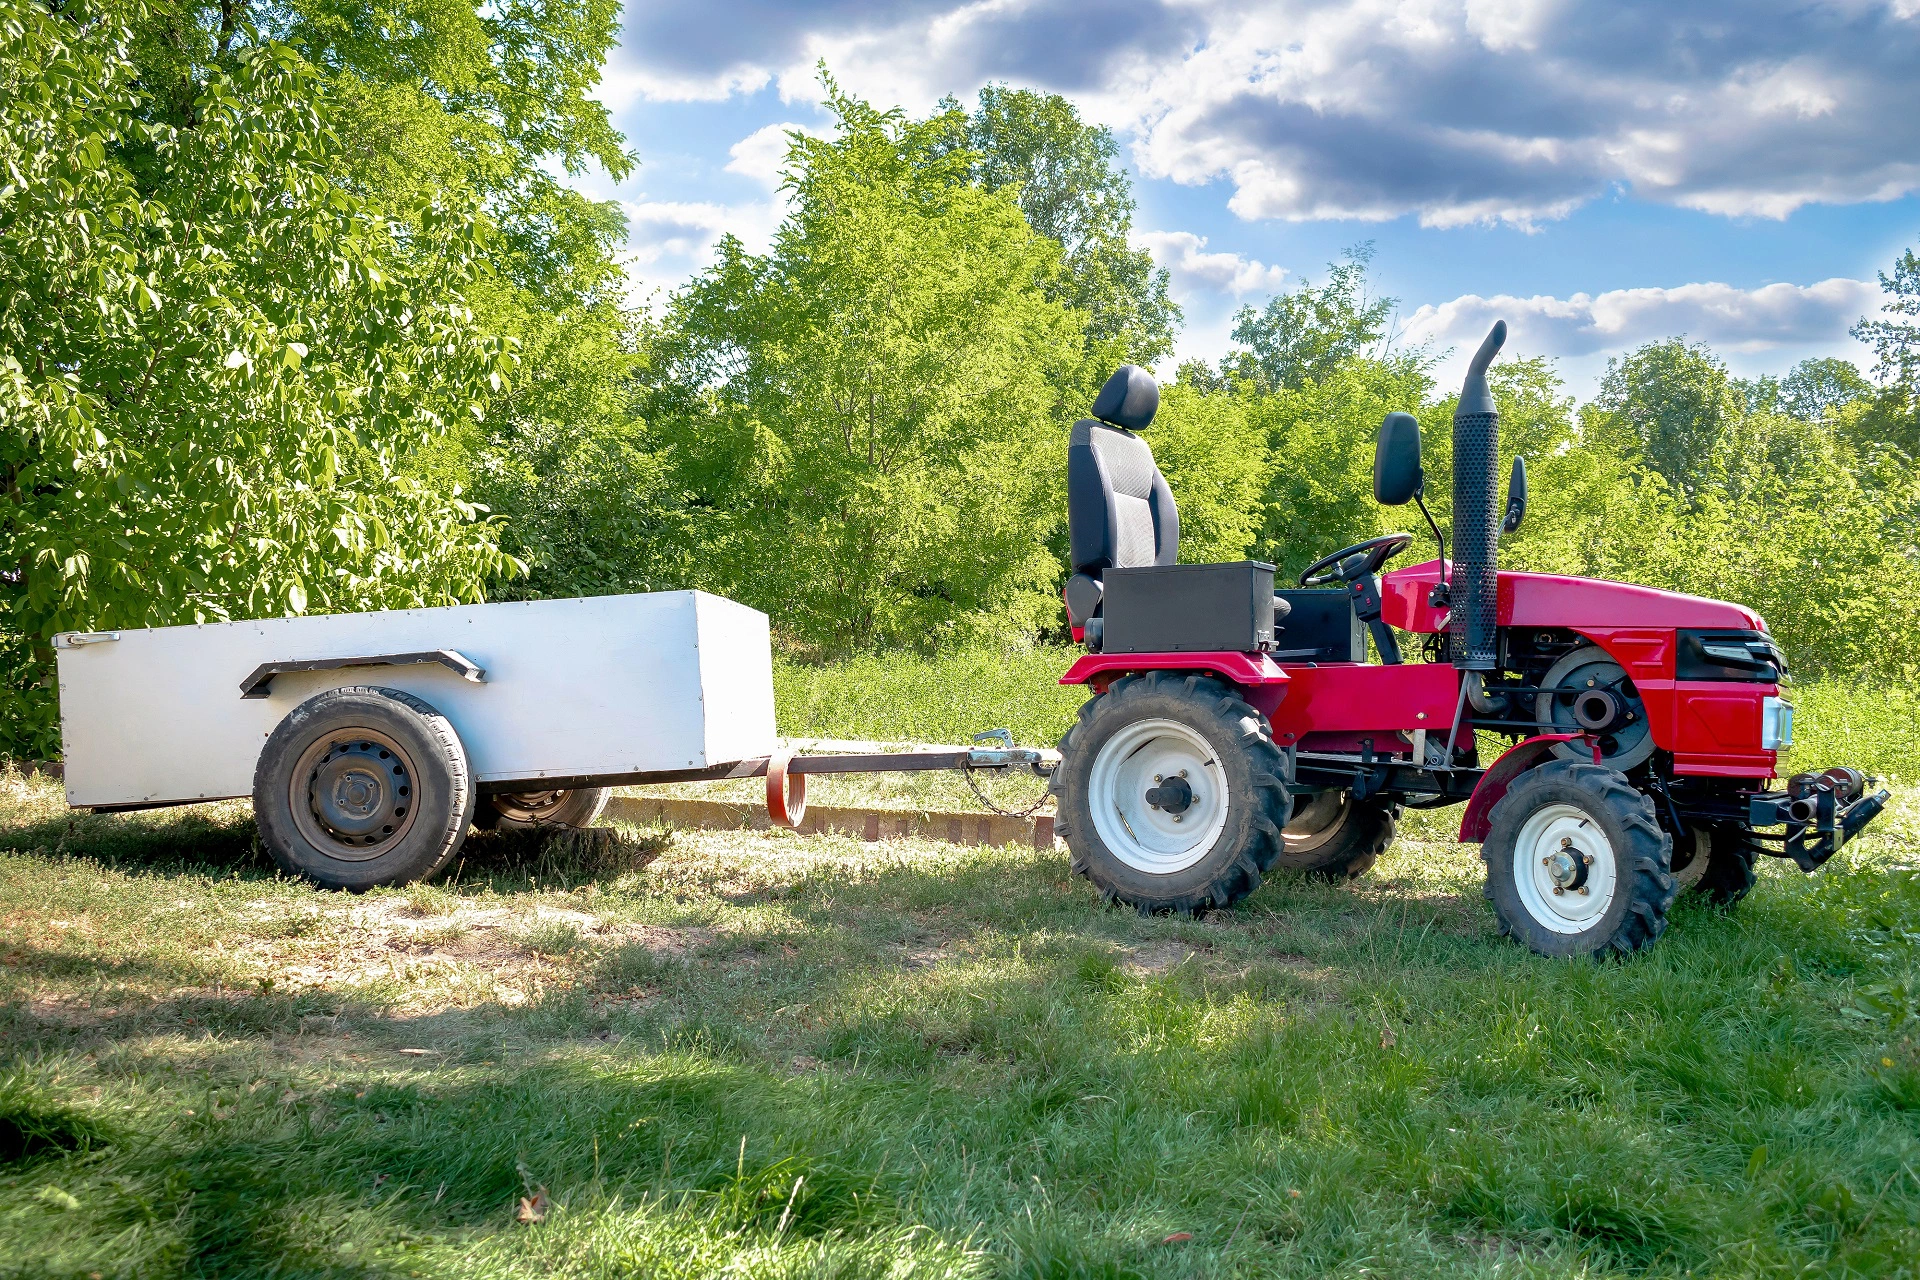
(1422, 501)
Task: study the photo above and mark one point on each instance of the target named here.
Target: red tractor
(1233, 729)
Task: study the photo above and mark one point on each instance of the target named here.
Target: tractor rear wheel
(1171, 793)
(1577, 863)
(1729, 874)
(1337, 837)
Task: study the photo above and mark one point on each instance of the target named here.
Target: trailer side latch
(260, 683)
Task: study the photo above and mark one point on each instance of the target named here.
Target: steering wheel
(1367, 556)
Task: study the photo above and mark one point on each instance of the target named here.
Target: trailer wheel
(1729, 874)
(361, 787)
(580, 807)
(1337, 837)
(1577, 863)
(1171, 793)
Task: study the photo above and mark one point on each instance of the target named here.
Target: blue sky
(1598, 172)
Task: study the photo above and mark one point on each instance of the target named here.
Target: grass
(758, 1054)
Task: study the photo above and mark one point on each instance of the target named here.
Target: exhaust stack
(1476, 517)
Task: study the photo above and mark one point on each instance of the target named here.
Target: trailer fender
(1516, 760)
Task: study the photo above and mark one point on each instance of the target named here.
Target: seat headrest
(1130, 398)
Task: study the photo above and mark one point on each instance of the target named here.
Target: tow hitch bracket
(1819, 820)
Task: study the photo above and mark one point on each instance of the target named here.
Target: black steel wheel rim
(353, 794)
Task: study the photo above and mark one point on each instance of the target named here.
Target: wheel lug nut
(1558, 890)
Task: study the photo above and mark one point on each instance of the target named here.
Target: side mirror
(1516, 496)
(1397, 478)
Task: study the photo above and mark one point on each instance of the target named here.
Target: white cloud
(669, 240)
(1450, 110)
(762, 154)
(1756, 330)
(1194, 272)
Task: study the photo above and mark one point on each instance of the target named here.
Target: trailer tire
(1729, 875)
(1577, 863)
(1193, 729)
(361, 787)
(580, 807)
(1335, 837)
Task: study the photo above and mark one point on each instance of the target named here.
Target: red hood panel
(1549, 600)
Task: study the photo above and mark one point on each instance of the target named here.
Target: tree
(1675, 402)
(1318, 495)
(212, 376)
(865, 420)
(1304, 334)
(1214, 457)
(1067, 178)
(1895, 336)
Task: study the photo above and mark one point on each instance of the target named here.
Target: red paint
(1550, 600)
(1252, 669)
(1353, 699)
(1516, 760)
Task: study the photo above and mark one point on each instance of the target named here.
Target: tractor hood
(1549, 600)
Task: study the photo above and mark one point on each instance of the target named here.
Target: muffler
(1474, 595)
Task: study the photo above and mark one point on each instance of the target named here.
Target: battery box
(1188, 608)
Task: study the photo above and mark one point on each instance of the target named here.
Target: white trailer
(370, 742)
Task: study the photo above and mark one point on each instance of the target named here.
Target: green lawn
(774, 1055)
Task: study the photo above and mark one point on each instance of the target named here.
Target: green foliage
(1320, 436)
(1068, 180)
(866, 418)
(211, 378)
(1675, 401)
(1214, 456)
(1304, 334)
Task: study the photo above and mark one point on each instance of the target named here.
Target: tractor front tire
(1335, 837)
(1577, 864)
(1171, 794)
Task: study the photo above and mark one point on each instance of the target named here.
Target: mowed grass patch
(770, 1055)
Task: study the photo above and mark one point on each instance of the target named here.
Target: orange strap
(786, 792)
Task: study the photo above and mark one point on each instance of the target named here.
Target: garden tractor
(1233, 729)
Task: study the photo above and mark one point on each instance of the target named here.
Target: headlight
(1776, 724)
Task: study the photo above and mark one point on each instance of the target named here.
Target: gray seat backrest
(1120, 513)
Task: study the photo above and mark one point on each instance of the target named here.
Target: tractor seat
(1120, 513)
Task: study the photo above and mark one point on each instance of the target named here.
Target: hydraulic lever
(1366, 607)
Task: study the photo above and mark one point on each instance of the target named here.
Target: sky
(1599, 173)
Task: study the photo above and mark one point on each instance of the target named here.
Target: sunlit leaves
(206, 372)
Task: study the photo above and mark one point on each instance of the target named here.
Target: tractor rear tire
(361, 787)
(1729, 875)
(581, 807)
(1171, 793)
(1335, 837)
(1577, 864)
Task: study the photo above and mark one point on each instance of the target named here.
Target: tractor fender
(1514, 761)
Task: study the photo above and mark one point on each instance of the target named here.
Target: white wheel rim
(1544, 858)
(1155, 838)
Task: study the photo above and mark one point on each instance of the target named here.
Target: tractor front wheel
(1171, 793)
(1576, 862)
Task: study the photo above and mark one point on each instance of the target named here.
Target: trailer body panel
(597, 687)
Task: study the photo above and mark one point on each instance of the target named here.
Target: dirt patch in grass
(1153, 959)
